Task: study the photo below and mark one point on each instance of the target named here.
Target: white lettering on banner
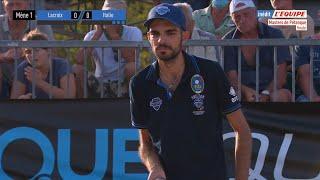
(281, 159)
(264, 145)
(255, 174)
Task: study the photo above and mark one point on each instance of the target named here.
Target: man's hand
(249, 94)
(10, 55)
(98, 33)
(113, 31)
(316, 36)
(264, 98)
(157, 174)
(316, 99)
(37, 75)
(25, 96)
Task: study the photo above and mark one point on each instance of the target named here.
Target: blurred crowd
(35, 72)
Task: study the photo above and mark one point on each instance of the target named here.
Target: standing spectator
(303, 62)
(38, 62)
(109, 69)
(290, 31)
(14, 30)
(208, 52)
(215, 18)
(244, 15)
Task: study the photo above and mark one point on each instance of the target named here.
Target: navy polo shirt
(303, 57)
(185, 127)
(248, 73)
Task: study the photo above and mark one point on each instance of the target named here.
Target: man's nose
(161, 39)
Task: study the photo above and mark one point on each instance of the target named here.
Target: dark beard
(172, 56)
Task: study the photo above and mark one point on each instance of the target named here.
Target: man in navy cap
(178, 104)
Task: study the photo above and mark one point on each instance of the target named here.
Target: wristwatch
(265, 92)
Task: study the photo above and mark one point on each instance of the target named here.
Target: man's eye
(171, 33)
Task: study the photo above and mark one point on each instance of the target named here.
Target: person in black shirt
(178, 104)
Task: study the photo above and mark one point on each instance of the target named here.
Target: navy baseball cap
(167, 12)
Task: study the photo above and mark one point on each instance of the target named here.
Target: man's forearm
(3, 58)
(82, 54)
(55, 91)
(243, 154)
(149, 157)
(304, 80)
(128, 54)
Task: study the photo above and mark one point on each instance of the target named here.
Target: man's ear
(186, 35)
(148, 36)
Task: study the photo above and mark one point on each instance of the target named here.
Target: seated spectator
(37, 67)
(244, 15)
(302, 68)
(195, 4)
(290, 31)
(109, 70)
(303, 62)
(14, 30)
(208, 52)
(215, 18)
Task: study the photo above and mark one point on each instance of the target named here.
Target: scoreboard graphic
(71, 17)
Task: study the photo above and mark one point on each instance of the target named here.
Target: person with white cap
(178, 104)
(109, 69)
(244, 15)
(302, 67)
(215, 18)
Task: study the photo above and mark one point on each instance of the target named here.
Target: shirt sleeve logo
(233, 93)
(156, 103)
(197, 83)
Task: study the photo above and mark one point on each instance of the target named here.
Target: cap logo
(162, 10)
(240, 5)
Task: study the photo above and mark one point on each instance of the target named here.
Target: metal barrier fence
(145, 44)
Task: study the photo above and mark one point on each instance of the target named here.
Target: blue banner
(92, 139)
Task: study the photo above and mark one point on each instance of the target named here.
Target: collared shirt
(186, 129)
(248, 73)
(303, 57)
(204, 20)
(207, 52)
(109, 68)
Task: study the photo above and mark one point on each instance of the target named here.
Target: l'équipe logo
(296, 18)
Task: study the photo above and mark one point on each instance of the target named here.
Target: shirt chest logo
(198, 103)
(156, 103)
(197, 83)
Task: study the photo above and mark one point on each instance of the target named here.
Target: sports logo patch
(233, 93)
(156, 103)
(197, 83)
(162, 10)
(198, 103)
